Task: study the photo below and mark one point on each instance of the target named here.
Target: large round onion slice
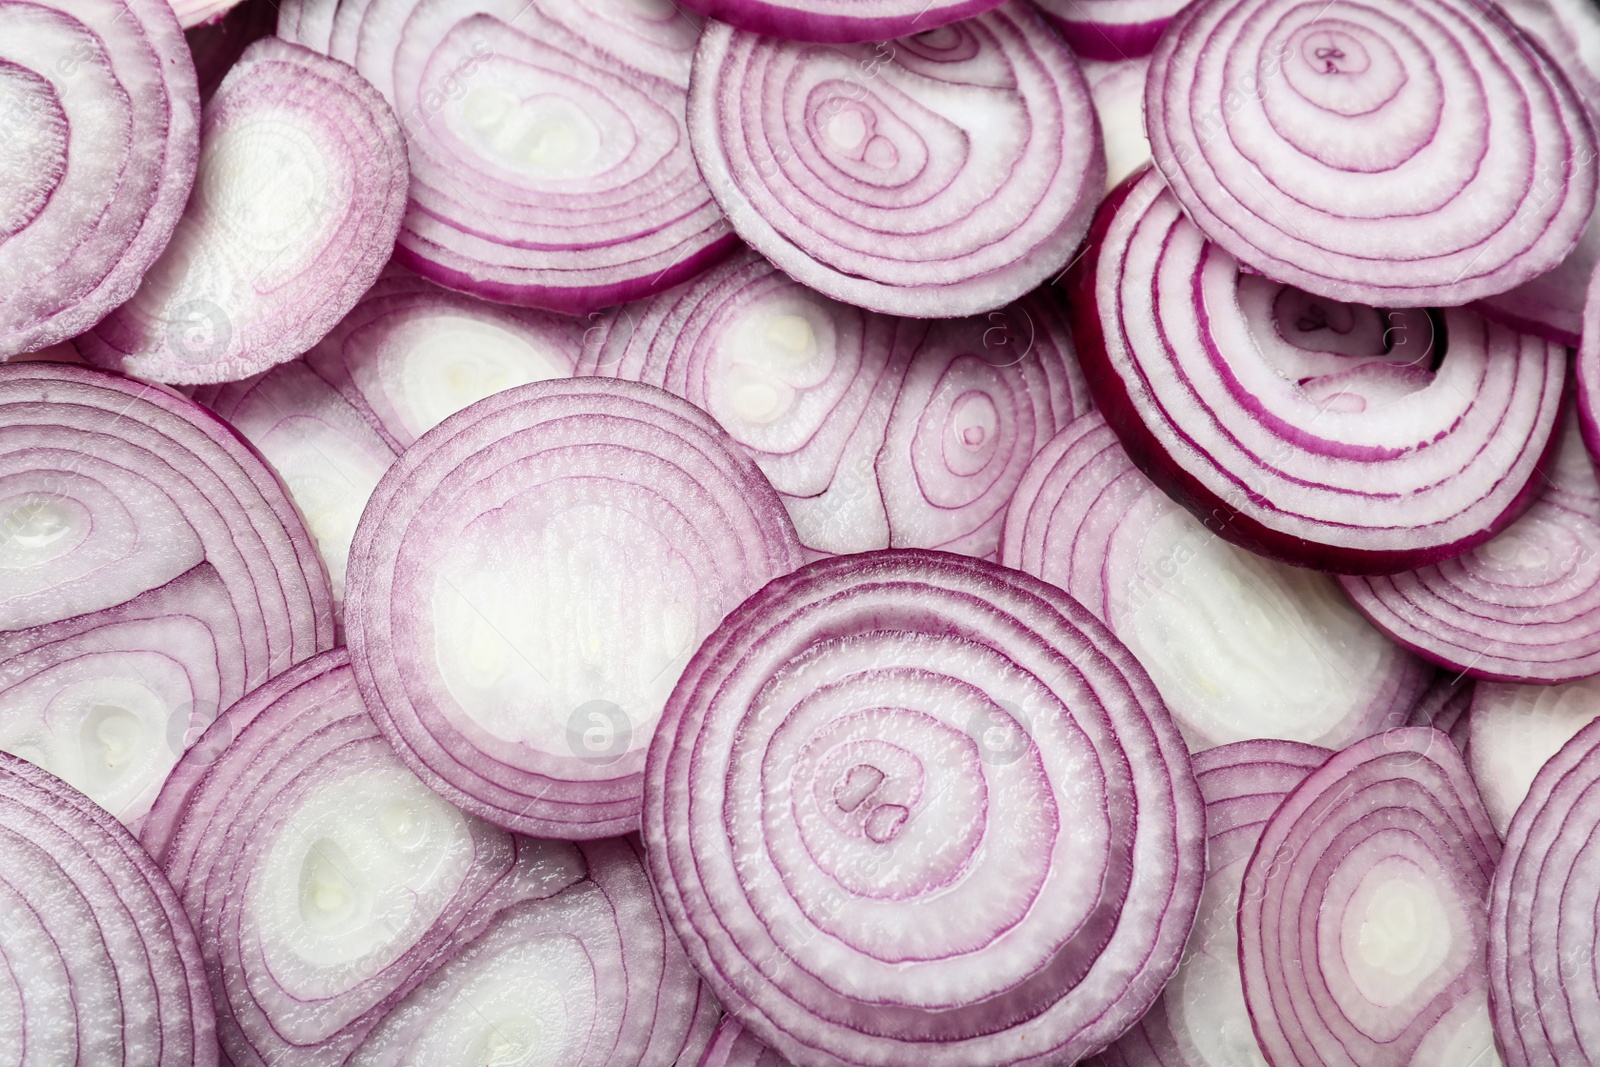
(589, 978)
(410, 353)
(1239, 646)
(550, 163)
(98, 965)
(302, 184)
(911, 808)
(1542, 931)
(939, 175)
(1111, 30)
(1201, 1019)
(878, 431)
(734, 1046)
(152, 571)
(1524, 606)
(1515, 729)
(1334, 436)
(530, 577)
(101, 137)
(839, 21)
(1420, 153)
(1363, 913)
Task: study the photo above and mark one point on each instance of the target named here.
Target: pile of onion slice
(911, 808)
(938, 175)
(1515, 729)
(301, 187)
(152, 571)
(878, 431)
(839, 21)
(1201, 1019)
(1363, 913)
(1110, 30)
(1329, 435)
(1423, 153)
(1240, 646)
(734, 1046)
(530, 577)
(106, 86)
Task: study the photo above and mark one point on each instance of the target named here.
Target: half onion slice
(911, 808)
(529, 579)
(938, 175)
(1329, 435)
(1363, 913)
(1111, 30)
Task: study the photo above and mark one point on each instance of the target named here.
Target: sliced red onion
(1333, 436)
(1110, 30)
(98, 964)
(152, 570)
(1542, 929)
(107, 86)
(1239, 646)
(550, 160)
(939, 175)
(307, 22)
(734, 1046)
(876, 430)
(908, 808)
(410, 353)
(1569, 32)
(301, 188)
(329, 456)
(1419, 153)
(217, 46)
(1363, 913)
(1201, 1019)
(1586, 367)
(839, 21)
(528, 581)
(1118, 92)
(589, 978)
(1515, 729)
(325, 881)
(1446, 707)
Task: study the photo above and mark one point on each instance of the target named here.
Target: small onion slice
(108, 87)
(878, 431)
(734, 1046)
(1239, 646)
(839, 21)
(301, 187)
(936, 176)
(1414, 154)
(912, 808)
(1363, 913)
(1111, 30)
(530, 577)
(1333, 436)
(98, 964)
(1201, 1019)
(1514, 731)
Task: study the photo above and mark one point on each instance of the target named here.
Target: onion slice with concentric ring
(912, 808)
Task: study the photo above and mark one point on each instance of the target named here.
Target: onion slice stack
(1363, 913)
(1239, 646)
(734, 1046)
(939, 175)
(500, 627)
(98, 964)
(1111, 30)
(1333, 436)
(302, 184)
(1422, 153)
(153, 572)
(839, 21)
(1541, 935)
(1515, 729)
(911, 808)
(109, 86)
(1201, 1019)
(878, 431)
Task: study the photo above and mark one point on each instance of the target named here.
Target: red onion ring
(839, 21)
(1110, 30)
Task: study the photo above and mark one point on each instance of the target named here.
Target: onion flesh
(1516, 729)
(1111, 30)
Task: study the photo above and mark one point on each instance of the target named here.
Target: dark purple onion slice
(734, 1046)
(410, 353)
(839, 21)
(1515, 730)
(911, 808)
(878, 431)
(1363, 913)
(217, 46)
(1239, 646)
(1201, 1019)
(1117, 89)
(153, 572)
(98, 964)
(589, 978)
(1110, 30)
(1333, 436)
(1412, 154)
(301, 187)
(939, 175)
(1542, 922)
(529, 579)
(108, 86)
